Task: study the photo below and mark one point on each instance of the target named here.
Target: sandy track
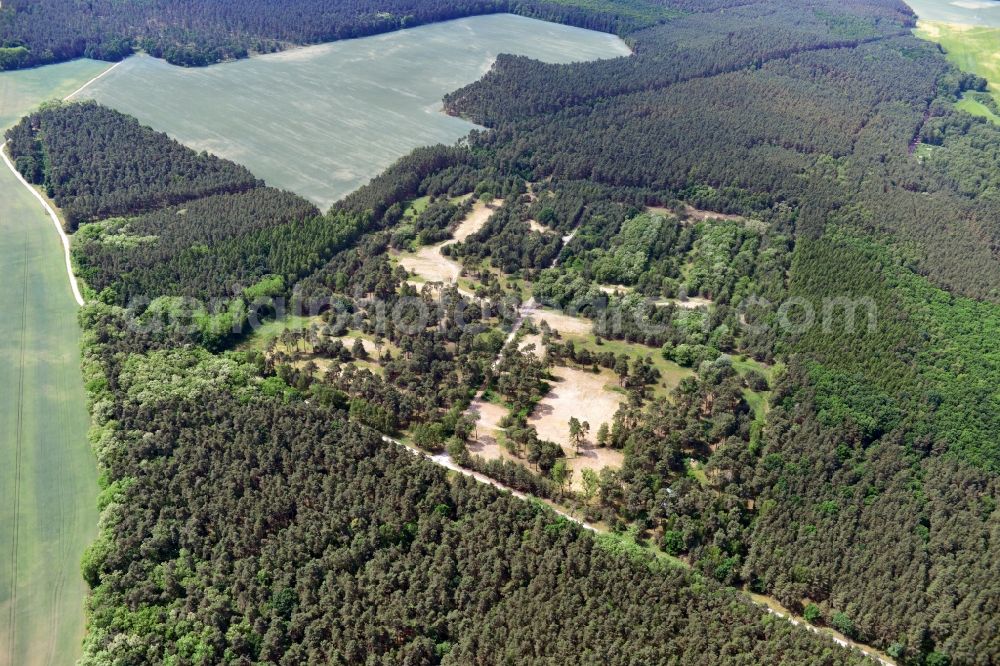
(55, 220)
(692, 303)
(474, 221)
(765, 603)
(429, 263)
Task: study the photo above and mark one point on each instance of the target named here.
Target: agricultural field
(964, 12)
(23, 90)
(323, 120)
(48, 477)
(972, 48)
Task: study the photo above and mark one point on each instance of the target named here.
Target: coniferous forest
(749, 154)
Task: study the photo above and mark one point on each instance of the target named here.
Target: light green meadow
(322, 121)
(48, 478)
(964, 12)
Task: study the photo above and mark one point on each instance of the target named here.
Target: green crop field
(322, 121)
(48, 479)
(963, 12)
(23, 90)
(973, 49)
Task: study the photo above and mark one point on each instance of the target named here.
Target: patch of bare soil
(692, 303)
(533, 340)
(578, 393)
(594, 459)
(487, 445)
(430, 264)
(697, 214)
(537, 226)
(475, 220)
(348, 341)
(565, 324)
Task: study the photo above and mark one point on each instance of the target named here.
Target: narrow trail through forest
(769, 604)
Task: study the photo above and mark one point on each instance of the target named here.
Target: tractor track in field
(18, 429)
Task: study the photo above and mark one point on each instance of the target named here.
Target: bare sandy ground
(348, 341)
(430, 264)
(537, 226)
(612, 289)
(488, 428)
(581, 394)
(475, 220)
(692, 303)
(576, 393)
(594, 459)
(533, 340)
(697, 214)
(565, 324)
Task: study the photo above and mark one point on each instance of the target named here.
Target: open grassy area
(671, 374)
(322, 121)
(272, 330)
(970, 104)
(971, 48)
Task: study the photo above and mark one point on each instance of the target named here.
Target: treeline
(861, 491)
(36, 32)
(95, 162)
(705, 43)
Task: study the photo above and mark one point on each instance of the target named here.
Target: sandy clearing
(348, 341)
(535, 225)
(692, 303)
(576, 393)
(565, 324)
(487, 445)
(697, 214)
(533, 340)
(594, 459)
(612, 289)
(581, 394)
(430, 264)
(474, 221)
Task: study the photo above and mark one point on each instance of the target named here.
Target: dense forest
(749, 156)
(94, 163)
(202, 32)
(319, 543)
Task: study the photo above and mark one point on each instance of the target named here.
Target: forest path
(769, 604)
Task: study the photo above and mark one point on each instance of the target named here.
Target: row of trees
(34, 32)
